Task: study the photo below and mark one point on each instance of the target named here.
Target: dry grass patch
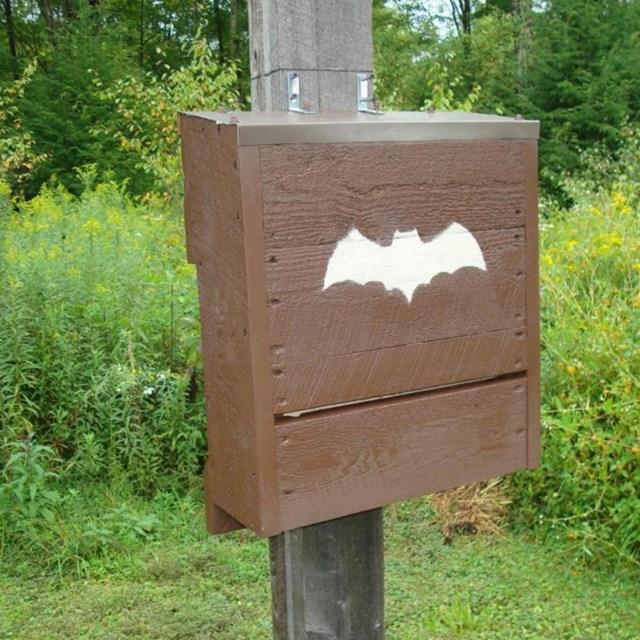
(478, 507)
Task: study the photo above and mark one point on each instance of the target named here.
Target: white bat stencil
(407, 262)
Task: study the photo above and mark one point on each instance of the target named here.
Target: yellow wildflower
(620, 202)
(114, 218)
(92, 226)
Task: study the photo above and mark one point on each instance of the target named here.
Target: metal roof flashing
(257, 128)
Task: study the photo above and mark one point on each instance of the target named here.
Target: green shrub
(60, 108)
(146, 127)
(99, 336)
(18, 152)
(587, 486)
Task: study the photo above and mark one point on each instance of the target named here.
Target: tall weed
(99, 335)
(587, 487)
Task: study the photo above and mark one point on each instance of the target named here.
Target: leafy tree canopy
(573, 64)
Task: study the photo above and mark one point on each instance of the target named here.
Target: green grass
(184, 584)
(101, 532)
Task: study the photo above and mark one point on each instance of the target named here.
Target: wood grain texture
(327, 43)
(368, 374)
(367, 456)
(533, 307)
(217, 519)
(259, 339)
(319, 89)
(313, 194)
(348, 318)
(275, 343)
(351, 341)
(223, 214)
(335, 580)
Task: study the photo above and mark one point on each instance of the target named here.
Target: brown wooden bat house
(369, 304)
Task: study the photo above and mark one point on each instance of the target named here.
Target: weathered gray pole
(327, 580)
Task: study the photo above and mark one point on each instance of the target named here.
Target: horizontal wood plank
(350, 318)
(376, 373)
(370, 342)
(314, 193)
(353, 459)
(295, 271)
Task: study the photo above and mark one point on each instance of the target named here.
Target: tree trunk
(217, 14)
(461, 11)
(46, 10)
(234, 46)
(69, 9)
(233, 30)
(466, 17)
(11, 37)
(523, 41)
(141, 35)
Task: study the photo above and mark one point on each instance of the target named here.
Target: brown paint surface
(261, 224)
(533, 306)
(222, 210)
(351, 341)
(313, 194)
(350, 460)
(380, 372)
(217, 519)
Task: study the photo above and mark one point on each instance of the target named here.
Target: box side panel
(217, 519)
(348, 460)
(259, 338)
(533, 305)
(199, 155)
(216, 212)
(447, 223)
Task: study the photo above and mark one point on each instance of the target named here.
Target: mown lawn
(188, 586)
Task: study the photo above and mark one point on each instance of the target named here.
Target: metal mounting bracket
(295, 95)
(364, 90)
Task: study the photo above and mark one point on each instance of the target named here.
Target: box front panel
(393, 268)
(332, 463)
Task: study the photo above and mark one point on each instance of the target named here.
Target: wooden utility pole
(327, 43)
(327, 579)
